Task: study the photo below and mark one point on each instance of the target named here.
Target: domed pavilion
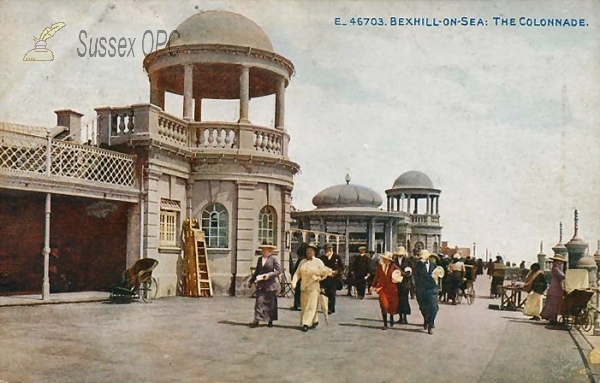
(354, 212)
(414, 194)
(234, 177)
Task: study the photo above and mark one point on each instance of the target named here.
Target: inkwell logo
(40, 52)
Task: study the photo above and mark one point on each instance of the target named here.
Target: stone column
(428, 205)
(198, 109)
(188, 80)
(157, 93)
(371, 235)
(280, 104)
(416, 205)
(152, 219)
(347, 243)
(244, 94)
(437, 205)
(245, 227)
(286, 194)
(408, 204)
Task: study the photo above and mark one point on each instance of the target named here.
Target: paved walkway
(207, 340)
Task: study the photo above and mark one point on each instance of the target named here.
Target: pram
(136, 282)
(575, 311)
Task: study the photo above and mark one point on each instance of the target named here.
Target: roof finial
(576, 224)
(560, 235)
(347, 178)
(541, 247)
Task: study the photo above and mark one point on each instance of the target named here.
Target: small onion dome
(347, 196)
(586, 262)
(413, 180)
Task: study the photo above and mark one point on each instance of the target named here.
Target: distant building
(354, 212)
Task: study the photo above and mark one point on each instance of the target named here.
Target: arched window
(215, 221)
(267, 225)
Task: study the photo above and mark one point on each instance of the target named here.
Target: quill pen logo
(40, 52)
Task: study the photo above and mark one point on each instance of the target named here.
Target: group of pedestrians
(317, 279)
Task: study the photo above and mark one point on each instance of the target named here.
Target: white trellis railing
(25, 153)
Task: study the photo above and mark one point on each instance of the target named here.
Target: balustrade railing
(143, 121)
(24, 153)
(215, 135)
(425, 219)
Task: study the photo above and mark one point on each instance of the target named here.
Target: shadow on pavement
(244, 324)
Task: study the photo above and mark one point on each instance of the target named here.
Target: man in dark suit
(333, 282)
(427, 289)
(360, 271)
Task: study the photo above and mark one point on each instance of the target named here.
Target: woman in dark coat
(403, 292)
(266, 276)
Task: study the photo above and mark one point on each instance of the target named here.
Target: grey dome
(347, 196)
(221, 27)
(413, 179)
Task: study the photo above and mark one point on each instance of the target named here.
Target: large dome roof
(413, 180)
(347, 196)
(221, 27)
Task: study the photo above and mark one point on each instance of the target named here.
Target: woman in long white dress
(310, 271)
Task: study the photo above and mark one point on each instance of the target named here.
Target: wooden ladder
(197, 272)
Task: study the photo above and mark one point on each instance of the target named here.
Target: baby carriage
(136, 282)
(575, 311)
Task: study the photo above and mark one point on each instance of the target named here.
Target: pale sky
(504, 120)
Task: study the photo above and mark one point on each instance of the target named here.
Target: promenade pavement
(208, 340)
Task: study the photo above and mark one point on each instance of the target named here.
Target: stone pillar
(157, 92)
(286, 194)
(371, 235)
(245, 227)
(188, 81)
(541, 257)
(244, 94)
(428, 198)
(416, 205)
(576, 246)
(198, 109)
(408, 204)
(437, 205)
(280, 104)
(347, 243)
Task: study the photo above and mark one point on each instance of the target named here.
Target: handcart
(136, 282)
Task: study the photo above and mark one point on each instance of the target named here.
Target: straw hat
(397, 276)
(328, 246)
(438, 273)
(558, 257)
(314, 246)
(456, 256)
(400, 251)
(387, 255)
(266, 245)
(362, 248)
(408, 270)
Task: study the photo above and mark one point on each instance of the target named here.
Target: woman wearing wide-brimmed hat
(311, 271)
(386, 287)
(266, 276)
(556, 291)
